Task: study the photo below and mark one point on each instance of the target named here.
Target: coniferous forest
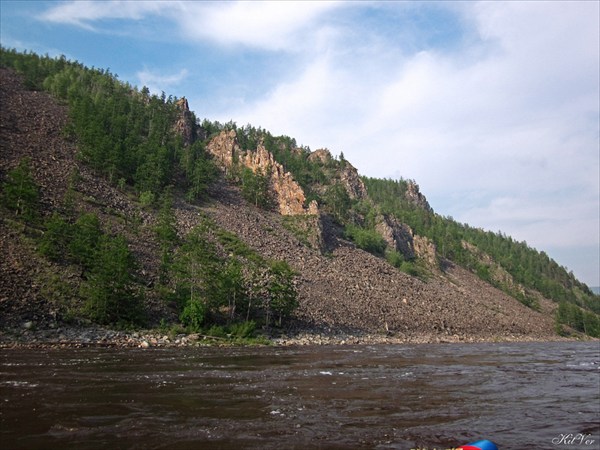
(216, 282)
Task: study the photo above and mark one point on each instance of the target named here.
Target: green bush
(243, 330)
(395, 258)
(368, 240)
(193, 314)
(147, 199)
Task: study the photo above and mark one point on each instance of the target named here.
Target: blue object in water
(480, 445)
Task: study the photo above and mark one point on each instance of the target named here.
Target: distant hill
(121, 207)
(595, 290)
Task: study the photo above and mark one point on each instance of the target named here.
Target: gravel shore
(78, 337)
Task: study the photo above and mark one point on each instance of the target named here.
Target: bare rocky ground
(346, 295)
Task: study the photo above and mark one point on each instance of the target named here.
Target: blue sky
(492, 107)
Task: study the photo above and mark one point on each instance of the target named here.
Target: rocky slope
(342, 290)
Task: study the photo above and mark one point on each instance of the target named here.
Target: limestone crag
(223, 147)
(426, 250)
(322, 155)
(413, 194)
(352, 183)
(348, 175)
(401, 238)
(398, 236)
(184, 126)
(288, 194)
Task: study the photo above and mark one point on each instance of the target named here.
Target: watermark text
(573, 439)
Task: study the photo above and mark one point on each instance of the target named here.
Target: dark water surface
(520, 395)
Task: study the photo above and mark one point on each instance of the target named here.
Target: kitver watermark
(574, 439)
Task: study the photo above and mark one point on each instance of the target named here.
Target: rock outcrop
(223, 147)
(426, 250)
(322, 155)
(351, 181)
(413, 194)
(288, 194)
(401, 238)
(398, 236)
(184, 126)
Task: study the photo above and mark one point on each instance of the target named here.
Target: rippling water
(521, 395)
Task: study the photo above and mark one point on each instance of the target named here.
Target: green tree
(110, 291)
(337, 199)
(20, 192)
(196, 273)
(85, 239)
(56, 238)
(255, 187)
(232, 288)
(282, 293)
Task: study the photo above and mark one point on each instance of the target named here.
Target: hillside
(208, 225)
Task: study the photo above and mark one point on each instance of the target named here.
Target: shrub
(194, 314)
(368, 240)
(243, 330)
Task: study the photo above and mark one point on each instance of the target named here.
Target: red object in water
(479, 445)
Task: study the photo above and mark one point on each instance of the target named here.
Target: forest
(126, 135)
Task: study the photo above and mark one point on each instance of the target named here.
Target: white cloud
(84, 13)
(157, 82)
(271, 25)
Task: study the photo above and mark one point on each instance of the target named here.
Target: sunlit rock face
(288, 194)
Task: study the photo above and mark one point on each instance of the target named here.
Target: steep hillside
(236, 225)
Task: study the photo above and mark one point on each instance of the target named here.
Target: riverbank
(78, 337)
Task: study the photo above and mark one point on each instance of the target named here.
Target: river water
(519, 395)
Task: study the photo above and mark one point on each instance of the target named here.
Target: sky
(493, 108)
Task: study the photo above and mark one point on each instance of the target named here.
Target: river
(519, 395)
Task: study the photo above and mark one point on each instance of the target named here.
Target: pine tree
(20, 192)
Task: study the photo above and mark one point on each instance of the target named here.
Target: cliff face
(184, 126)
(288, 194)
(401, 238)
(347, 174)
(351, 181)
(223, 148)
(398, 236)
(416, 197)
